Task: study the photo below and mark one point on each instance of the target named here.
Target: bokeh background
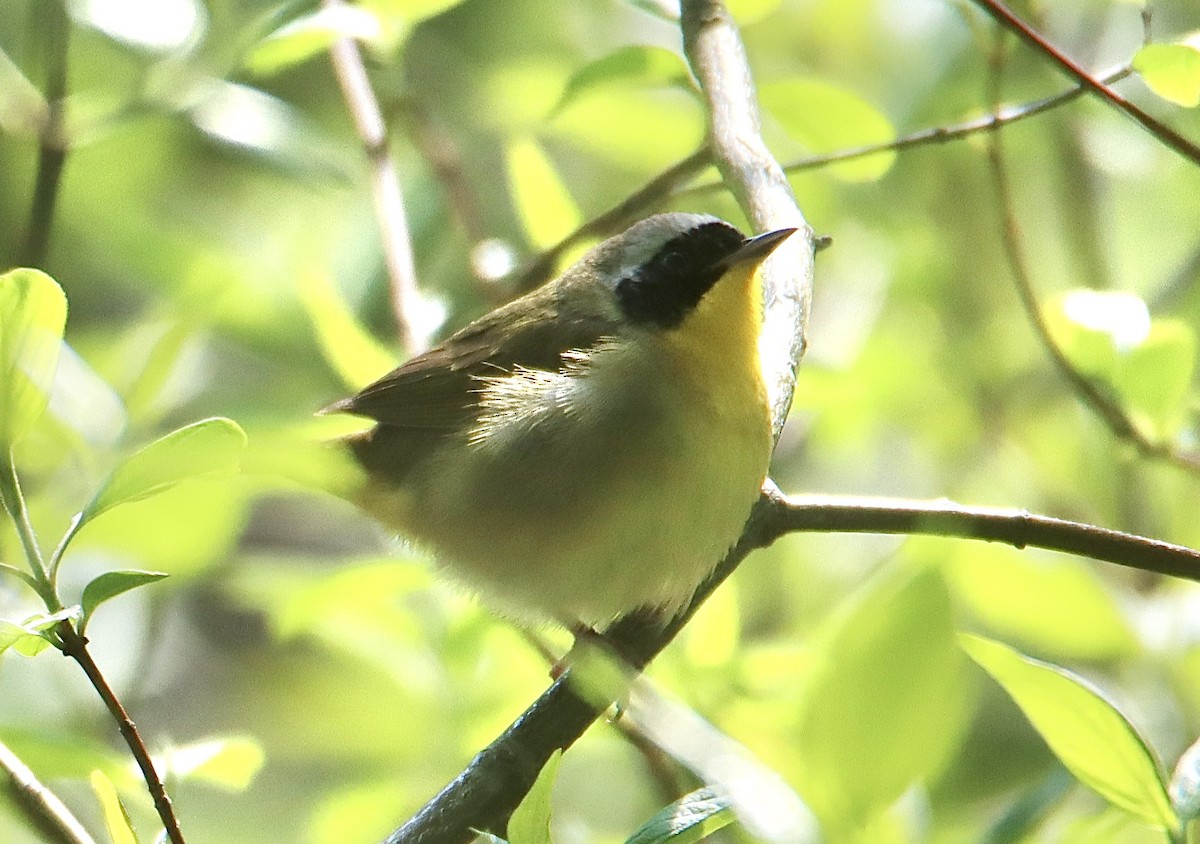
(217, 242)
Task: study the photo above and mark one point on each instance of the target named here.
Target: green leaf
(310, 34)
(116, 819)
(30, 638)
(206, 448)
(1184, 788)
(231, 763)
(19, 639)
(1059, 607)
(33, 313)
(690, 818)
(1087, 733)
(547, 211)
(530, 822)
(826, 119)
(1154, 378)
(637, 66)
(356, 356)
(885, 700)
(109, 585)
(1172, 71)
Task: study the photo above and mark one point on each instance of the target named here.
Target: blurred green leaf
(1154, 377)
(231, 763)
(827, 118)
(109, 585)
(1094, 327)
(1055, 606)
(356, 356)
(33, 312)
(206, 448)
(1172, 71)
(746, 12)
(1088, 734)
(886, 698)
(645, 129)
(116, 819)
(1109, 335)
(530, 822)
(545, 207)
(629, 66)
(310, 34)
(690, 818)
(1184, 788)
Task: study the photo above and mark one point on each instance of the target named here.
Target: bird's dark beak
(756, 248)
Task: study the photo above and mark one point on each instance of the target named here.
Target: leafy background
(215, 221)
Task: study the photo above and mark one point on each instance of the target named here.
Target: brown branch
(39, 805)
(385, 186)
(75, 646)
(1019, 528)
(1093, 396)
(1161, 131)
(54, 37)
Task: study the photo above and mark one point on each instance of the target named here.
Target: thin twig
(385, 187)
(53, 34)
(444, 157)
(1089, 392)
(1019, 528)
(654, 192)
(1005, 116)
(75, 646)
(1164, 133)
(39, 805)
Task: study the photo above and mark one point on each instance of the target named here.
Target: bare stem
(1164, 133)
(385, 186)
(40, 806)
(75, 646)
(53, 34)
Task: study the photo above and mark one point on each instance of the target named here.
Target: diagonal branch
(1164, 133)
(385, 186)
(40, 806)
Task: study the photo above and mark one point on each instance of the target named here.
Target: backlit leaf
(1172, 71)
(205, 448)
(33, 312)
(1085, 731)
(530, 822)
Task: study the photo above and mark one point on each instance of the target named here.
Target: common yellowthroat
(594, 446)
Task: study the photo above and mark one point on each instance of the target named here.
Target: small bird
(595, 446)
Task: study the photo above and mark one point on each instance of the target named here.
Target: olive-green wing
(437, 390)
